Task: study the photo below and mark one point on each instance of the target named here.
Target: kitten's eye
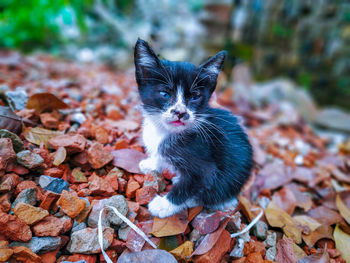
(195, 96)
(164, 94)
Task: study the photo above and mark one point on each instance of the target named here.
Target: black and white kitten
(205, 147)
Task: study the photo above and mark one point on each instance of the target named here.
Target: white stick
(248, 227)
(127, 221)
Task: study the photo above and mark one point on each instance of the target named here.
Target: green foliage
(28, 24)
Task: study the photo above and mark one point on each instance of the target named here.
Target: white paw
(162, 207)
(148, 165)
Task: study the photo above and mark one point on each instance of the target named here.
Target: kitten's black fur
(213, 167)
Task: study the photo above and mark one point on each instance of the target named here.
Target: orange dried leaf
(307, 221)
(39, 135)
(183, 252)
(193, 211)
(170, 226)
(60, 156)
(323, 231)
(42, 102)
(342, 241)
(210, 240)
(343, 207)
(279, 218)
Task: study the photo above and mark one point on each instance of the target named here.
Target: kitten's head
(174, 94)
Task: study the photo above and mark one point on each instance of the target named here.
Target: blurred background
(290, 49)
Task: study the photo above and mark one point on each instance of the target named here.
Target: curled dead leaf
(170, 226)
(39, 135)
(60, 156)
(342, 241)
(317, 257)
(128, 159)
(285, 199)
(279, 218)
(10, 121)
(210, 240)
(325, 215)
(42, 102)
(307, 221)
(324, 231)
(183, 252)
(342, 201)
(193, 211)
(302, 200)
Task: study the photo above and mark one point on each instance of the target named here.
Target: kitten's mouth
(177, 123)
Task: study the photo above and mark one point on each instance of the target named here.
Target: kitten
(205, 147)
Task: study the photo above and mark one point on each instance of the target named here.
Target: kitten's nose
(180, 115)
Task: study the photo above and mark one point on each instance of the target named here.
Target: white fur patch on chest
(152, 136)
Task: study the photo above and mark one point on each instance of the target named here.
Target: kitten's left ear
(145, 59)
(215, 63)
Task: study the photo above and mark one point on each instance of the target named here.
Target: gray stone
(259, 230)
(27, 196)
(237, 251)
(157, 183)
(147, 256)
(17, 99)
(45, 180)
(56, 185)
(123, 232)
(85, 241)
(40, 244)
(194, 235)
(271, 239)
(16, 141)
(110, 218)
(29, 160)
(77, 227)
(271, 253)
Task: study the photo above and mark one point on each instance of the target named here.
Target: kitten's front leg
(149, 165)
(161, 207)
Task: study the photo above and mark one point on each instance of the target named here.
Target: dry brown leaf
(318, 257)
(210, 240)
(42, 102)
(183, 252)
(128, 159)
(193, 211)
(324, 231)
(343, 204)
(60, 156)
(340, 176)
(285, 199)
(124, 125)
(170, 226)
(246, 207)
(10, 121)
(342, 241)
(298, 251)
(307, 221)
(344, 147)
(325, 215)
(39, 135)
(279, 218)
(302, 200)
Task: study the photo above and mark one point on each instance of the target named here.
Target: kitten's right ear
(145, 59)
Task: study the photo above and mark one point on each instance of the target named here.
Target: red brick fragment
(145, 195)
